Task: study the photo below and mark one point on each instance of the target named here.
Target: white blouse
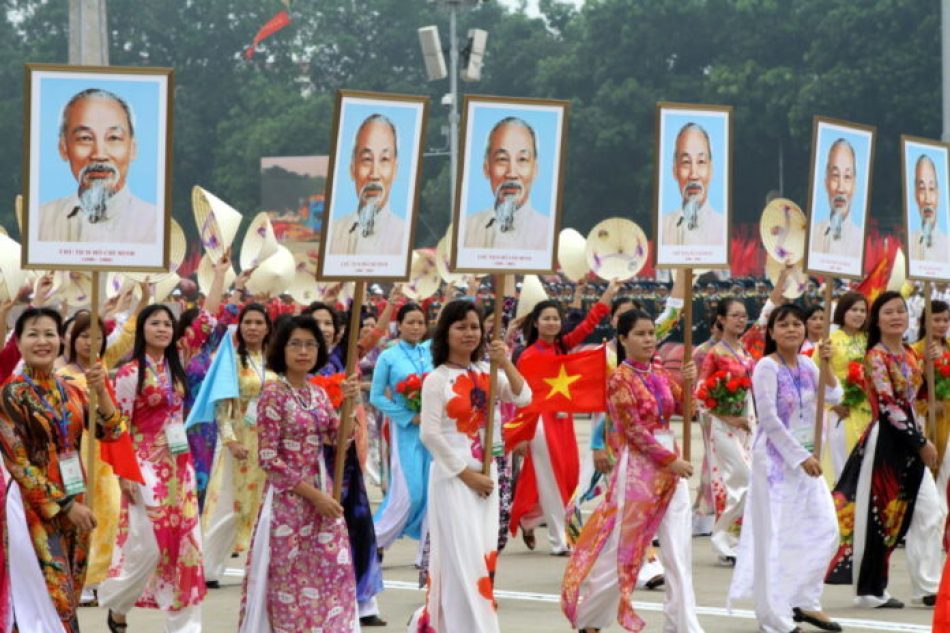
(452, 448)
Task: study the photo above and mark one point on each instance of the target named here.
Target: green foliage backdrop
(779, 62)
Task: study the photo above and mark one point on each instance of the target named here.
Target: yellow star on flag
(561, 384)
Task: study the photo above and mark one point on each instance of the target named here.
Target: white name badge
(250, 414)
(177, 438)
(70, 469)
(666, 439)
(805, 435)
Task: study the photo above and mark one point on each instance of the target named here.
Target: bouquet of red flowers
(411, 390)
(724, 393)
(332, 385)
(854, 385)
(942, 377)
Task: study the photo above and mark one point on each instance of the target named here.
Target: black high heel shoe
(824, 625)
(116, 627)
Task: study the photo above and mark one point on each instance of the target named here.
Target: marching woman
(108, 498)
(893, 459)
(356, 507)
(237, 481)
(814, 322)
(789, 530)
(730, 427)
(464, 529)
(299, 572)
(41, 423)
(403, 510)
(647, 495)
(157, 560)
(939, 326)
(551, 468)
(847, 420)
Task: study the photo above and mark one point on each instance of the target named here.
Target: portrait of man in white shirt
(97, 140)
(696, 222)
(840, 234)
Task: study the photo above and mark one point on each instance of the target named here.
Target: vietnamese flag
(276, 23)
(569, 383)
(876, 281)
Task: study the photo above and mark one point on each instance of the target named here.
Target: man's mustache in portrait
(506, 203)
(928, 224)
(370, 196)
(692, 197)
(839, 208)
(96, 186)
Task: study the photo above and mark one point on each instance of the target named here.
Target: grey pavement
(528, 589)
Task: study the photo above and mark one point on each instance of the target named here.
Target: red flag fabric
(941, 622)
(276, 23)
(876, 281)
(120, 454)
(569, 383)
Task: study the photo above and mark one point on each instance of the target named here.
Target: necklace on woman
(308, 405)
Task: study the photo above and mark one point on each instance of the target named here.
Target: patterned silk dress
(308, 584)
(169, 493)
(28, 408)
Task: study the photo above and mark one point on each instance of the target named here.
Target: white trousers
(221, 527)
(732, 458)
(120, 593)
(601, 589)
(551, 509)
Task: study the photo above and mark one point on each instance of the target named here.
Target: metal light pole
(454, 91)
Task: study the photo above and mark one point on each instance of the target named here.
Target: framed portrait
(97, 167)
(839, 194)
(925, 171)
(508, 198)
(693, 185)
(373, 188)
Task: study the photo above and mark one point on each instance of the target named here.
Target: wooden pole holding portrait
(61, 230)
(346, 412)
(507, 207)
(692, 207)
(838, 206)
(371, 201)
(498, 310)
(925, 174)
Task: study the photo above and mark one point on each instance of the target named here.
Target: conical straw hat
(274, 275)
(176, 255)
(10, 271)
(304, 288)
(532, 293)
(163, 288)
(572, 254)
(782, 229)
(75, 288)
(259, 241)
(617, 249)
(205, 275)
(443, 258)
(424, 277)
(217, 221)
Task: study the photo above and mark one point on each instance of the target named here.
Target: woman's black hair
(80, 324)
(874, 327)
(722, 309)
(624, 324)
(277, 353)
(936, 307)
(619, 302)
(453, 312)
(36, 439)
(812, 309)
(845, 303)
(242, 346)
(172, 359)
(779, 314)
(35, 313)
(185, 320)
(338, 322)
(407, 308)
(530, 327)
(65, 326)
